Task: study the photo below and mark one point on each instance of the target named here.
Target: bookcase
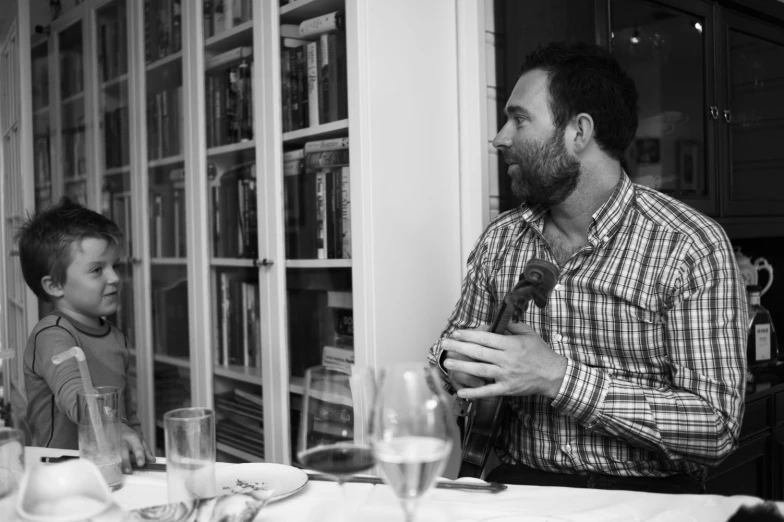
(287, 197)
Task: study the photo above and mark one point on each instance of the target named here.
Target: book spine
(326, 158)
(345, 214)
(321, 24)
(326, 144)
(313, 83)
(321, 214)
(225, 317)
(324, 85)
(245, 324)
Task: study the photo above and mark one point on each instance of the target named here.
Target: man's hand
(132, 443)
(519, 363)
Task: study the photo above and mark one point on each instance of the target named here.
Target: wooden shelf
(299, 10)
(180, 362)
(238, 35)
(319, 132)
(239, 373)
(318, 263)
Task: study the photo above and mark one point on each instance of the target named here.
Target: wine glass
(411, 430)
(334, 426)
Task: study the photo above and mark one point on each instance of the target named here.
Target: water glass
(190, 453)
(412, 430)
(98, 413)
(11, 468)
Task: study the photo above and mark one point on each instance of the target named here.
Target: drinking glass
(333, 434)
(411, 430)
(190, 453)
(11, 468)
(98, 413)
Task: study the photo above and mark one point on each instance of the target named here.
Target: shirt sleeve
(474, 308)
(698, 416)
(131, 418)
(63, 379)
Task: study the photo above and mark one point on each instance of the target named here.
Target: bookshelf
(185, 123)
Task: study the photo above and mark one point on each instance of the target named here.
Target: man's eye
(520, 120)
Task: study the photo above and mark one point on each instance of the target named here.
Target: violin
(483, 415)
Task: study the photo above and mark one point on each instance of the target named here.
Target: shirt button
(557, 338)
(558, 287)
(566, 448)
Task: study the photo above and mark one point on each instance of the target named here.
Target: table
(523, 503)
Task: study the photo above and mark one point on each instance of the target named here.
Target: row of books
(222, 15)
(229, 97)
(317, 191)
(162, 28)
(112, 46)
(234, 214)
(313, 76)
(167, 214)
(164, 123)
(238, 329)
(115, 137)
(241, 421)
(73, 151)
(329, 334)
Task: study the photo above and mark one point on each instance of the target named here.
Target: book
(322, 233)
(345, 214)
(313, 83)
(321, 24)
(326, 158)
(337, 356)
(289, 31)
(326, 144)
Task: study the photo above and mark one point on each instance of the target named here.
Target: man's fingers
(126, 459)
(477, 369)
(489, 390)
(464, 380)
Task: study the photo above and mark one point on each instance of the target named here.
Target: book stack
(313, 72)
(235, 219)
(162, 28)
(333, 418)
(339, 350)
(222, 15)
(242, 422)
(238, 327)
(317, 192)
(229, 97)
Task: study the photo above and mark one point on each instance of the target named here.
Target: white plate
(245, 478)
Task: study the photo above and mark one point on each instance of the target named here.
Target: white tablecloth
(322, 501)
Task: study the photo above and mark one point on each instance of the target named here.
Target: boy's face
(91, 284)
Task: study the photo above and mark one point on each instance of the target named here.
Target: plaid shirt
(651, 316)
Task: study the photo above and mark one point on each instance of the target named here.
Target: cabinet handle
(135, 260)
(263, 262)
(727, 115)
(714, 112)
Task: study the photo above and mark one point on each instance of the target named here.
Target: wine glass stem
(409, 508)
(346, 509)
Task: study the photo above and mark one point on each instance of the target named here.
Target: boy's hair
(583, 77)
(46, 238)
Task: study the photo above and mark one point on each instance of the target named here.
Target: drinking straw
(89, 394)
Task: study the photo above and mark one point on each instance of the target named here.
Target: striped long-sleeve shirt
(651, 316)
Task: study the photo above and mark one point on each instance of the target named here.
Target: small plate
(249, 477)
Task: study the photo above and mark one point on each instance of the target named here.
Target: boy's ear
(50, 287)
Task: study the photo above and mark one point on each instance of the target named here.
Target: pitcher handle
(762, 263)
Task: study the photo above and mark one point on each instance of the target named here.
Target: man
(632, 376)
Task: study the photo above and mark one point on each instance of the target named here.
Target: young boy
(69, 256)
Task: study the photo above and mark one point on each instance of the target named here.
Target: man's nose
(503, 139)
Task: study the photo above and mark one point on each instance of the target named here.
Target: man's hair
(585, 78)
(46, 238)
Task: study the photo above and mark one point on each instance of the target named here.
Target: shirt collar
(606, 221)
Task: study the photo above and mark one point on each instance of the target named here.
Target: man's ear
(582, 132)
(50, 287)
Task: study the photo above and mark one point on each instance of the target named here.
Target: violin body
(536, 282)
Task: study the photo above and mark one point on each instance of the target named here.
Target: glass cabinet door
(753, 116)
(166, 218)
(72, 153)
(41, 125)
(316, 181)
(113, 148)
(233, 235)
(666, 47)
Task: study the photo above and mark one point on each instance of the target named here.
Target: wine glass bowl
(411, 430)
(336, 408)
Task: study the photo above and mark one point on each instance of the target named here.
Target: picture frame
(690, 176)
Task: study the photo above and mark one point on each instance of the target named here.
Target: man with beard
(632, 375)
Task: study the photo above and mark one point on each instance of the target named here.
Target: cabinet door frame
(727, 21)
(709, 203)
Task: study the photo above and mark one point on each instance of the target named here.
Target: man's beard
(544, 172)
